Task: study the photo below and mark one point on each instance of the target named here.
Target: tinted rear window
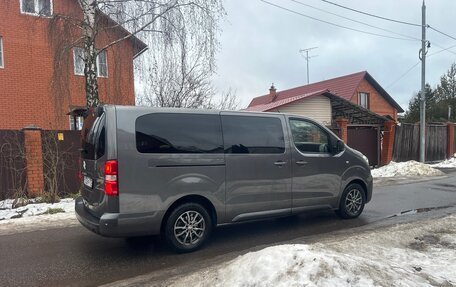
(179, 133)
(93, 136)
(253, 135)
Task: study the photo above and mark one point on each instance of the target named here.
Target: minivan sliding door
(258, 169)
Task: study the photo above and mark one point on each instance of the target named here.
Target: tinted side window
(93, 136)
(179, 133)
(253, 135)
(309, 137)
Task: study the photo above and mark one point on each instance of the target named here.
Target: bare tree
(169, 22)
(226, 101)
(180, 76)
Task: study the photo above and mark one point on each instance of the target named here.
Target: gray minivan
(182, 172)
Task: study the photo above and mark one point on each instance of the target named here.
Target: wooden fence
(407, 142)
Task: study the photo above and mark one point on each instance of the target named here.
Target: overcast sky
(260, 44)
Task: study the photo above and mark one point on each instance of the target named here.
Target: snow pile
(408, 168)
(32, 209)
(419, 254)
(449, 163)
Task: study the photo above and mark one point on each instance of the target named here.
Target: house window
(37, 7)
(78, 57)
(363, 100)
(76, 123)
(1, 53)
(102, 63)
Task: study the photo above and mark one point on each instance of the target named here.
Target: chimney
(272, 93)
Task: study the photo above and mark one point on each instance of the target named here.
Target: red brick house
(37, 89)
(356, 105)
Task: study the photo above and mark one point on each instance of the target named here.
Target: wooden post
(450, 139)
(388, 142)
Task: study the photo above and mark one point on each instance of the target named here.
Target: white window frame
(360, 102)
(105, 52)
(79, 121)
(35, 2)
(75, 58)
(2, 59)
(81, 73)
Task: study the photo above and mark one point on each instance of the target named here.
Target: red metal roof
(343, 87)
(275, 104)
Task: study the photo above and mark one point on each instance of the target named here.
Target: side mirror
(340, 146)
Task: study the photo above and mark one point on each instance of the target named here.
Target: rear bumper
(117, 224)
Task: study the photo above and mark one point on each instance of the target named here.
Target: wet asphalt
(74, 256)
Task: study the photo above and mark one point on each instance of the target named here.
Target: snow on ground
(33, 209)
(414, 254)
(405, 169)
(449, 163)
(33, 216)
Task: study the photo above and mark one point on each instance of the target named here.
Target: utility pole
(423, 86)
(307, 57)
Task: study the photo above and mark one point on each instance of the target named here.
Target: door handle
(280, 163)
(301, 162)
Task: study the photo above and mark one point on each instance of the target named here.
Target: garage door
(365, 140)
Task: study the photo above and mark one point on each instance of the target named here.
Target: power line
(353, 20)
(432, 28)
(403, 75)
(443, 49)
(333, 24)
(372, 15)
(416, 64)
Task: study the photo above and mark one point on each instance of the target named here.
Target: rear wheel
(188, 227)
(352, 201)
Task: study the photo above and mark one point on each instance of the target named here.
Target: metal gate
(60, 160)
(12, 164)
(365, 139)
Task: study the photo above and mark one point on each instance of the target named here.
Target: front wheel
(188, 227)
(352, 201)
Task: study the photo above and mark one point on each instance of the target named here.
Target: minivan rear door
(93, 140)
(258, 169)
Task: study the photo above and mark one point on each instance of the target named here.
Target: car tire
(352, 201)
(188, 227)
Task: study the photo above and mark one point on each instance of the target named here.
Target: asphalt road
(74, 256)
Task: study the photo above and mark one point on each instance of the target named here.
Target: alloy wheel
(353, 201)
(189, 227)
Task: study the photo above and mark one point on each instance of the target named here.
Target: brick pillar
(34, 160)
(342, 123)
(450, 139)
(388, 142)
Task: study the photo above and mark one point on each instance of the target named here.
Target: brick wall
(27, 95)
(377, 103)
(34, 160)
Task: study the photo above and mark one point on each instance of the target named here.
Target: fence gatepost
(450, 139)
(342, 123)
(33, 160)
(388, 142)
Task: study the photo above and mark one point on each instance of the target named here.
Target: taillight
(111, 186)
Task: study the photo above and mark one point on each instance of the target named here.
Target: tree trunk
(90, 52)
